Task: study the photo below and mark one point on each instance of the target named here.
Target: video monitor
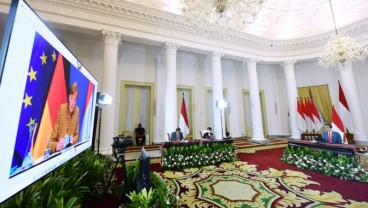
(47, 101)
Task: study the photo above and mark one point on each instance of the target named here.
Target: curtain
(209, 108)
(247, 111)
(304, 92)
(321, 97)
(137, 108)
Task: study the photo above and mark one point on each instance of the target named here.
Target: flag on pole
(300, 119)
(337, 124)
(183, 122)
(308, 116)
(316, 116)
(344, 110)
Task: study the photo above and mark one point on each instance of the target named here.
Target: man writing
(330, 136)
(66, 128)
(177, 135)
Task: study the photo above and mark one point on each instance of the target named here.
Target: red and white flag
(316, 116)
(300, 117)
(308, 116)
(183, 121)
(344, 110)
(337, 124)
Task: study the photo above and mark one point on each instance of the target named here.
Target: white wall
(309, 73)
(144, 63)
(271, 80)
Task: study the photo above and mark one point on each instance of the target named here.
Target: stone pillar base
(260, 141)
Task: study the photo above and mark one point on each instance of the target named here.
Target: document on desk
(67, 140)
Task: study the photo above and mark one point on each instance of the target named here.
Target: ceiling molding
(146, 23)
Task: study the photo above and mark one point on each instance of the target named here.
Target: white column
(292, 95)
(159, 110)
(218, 118)
(109, 74)
(171, 120)
(255, 103)
(351, 92)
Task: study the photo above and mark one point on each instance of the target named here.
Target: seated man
(208, 134)
(330, 136)
(177, 135)
(140, 133)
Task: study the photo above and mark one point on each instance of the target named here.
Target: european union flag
(40, 72)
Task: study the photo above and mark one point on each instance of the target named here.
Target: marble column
(348, 83)
(109, 74)
(255, 103)
(171, 120)
(292, 97)
(217, 95)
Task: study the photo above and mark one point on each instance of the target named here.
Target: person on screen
(208, 134)
(177, 135)
(140, 133)
(66, 128)
(331, 137)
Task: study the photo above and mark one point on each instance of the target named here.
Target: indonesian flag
(300, 118)
(317, 118)
(337, 123)
(308, 116)
(344, 110)
(183, 122)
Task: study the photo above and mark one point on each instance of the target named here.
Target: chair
(126, 133)
(169, 137)
(189, 137)
(349, 138)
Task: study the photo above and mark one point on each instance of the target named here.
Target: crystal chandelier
(341, 48)
(225, 14)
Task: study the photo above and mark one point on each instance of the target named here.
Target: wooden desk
(344, 149)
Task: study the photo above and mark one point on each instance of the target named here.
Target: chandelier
(341, 48)
(225, 14)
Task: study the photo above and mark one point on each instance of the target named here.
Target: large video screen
(47, 101)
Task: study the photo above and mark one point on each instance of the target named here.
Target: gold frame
(226, 113)
(122, 107)
(263, 111)
(191, 108)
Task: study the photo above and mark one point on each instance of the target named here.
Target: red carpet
(270, 158)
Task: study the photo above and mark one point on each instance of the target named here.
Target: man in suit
(140, 133)
(208, 134)
(177, 135)
(330, 136)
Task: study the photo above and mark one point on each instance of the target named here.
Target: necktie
(329, 138)
(177, 137)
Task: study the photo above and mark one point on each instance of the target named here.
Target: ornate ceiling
(284, 29)
(288, 19)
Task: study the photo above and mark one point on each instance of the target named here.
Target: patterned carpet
(239, 184)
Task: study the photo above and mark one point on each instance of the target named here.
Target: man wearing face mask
(177, 135)
(66, 129)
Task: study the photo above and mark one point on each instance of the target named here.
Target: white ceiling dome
(289, 19)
